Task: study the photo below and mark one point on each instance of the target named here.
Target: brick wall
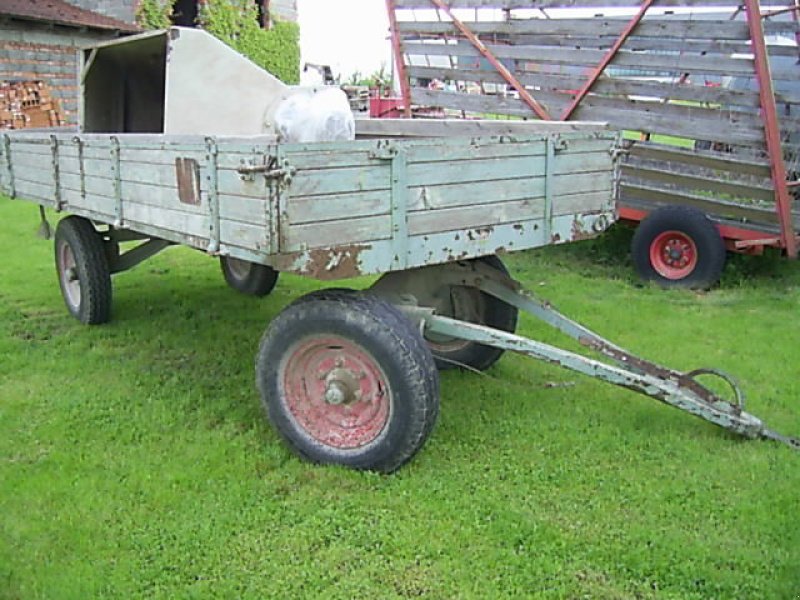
(30, 53)
(124, 10)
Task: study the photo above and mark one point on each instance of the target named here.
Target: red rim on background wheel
(673, 255)
(336, 392)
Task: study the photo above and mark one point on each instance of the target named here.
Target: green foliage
(235, 22)
(135, 462)
(154, 14)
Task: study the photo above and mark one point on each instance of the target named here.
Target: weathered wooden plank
(670, 119)
(245, 210)
(644, 44)
(430, 197)
(99, 204)
(711, 206)
(680, 29)
(451, 127)
(586, 58)
(34, 190)
(508, 149)
(173, 220)
(315, 209)
(340, 181)
(244, 235)
(695, 183)
(707, 160)
(337, 233)
(617, 86)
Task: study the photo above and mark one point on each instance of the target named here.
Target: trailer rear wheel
(83, 272)
(248, 278)
(347, 379)
(678, 246)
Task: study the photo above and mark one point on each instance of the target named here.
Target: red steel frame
(744, 239)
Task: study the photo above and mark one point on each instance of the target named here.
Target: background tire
(248, 278)
(426, 285)
(83, 272)
(678, 247)
(347, 379)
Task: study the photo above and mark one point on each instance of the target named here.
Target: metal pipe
(400, 65)
(772, 132)
(609, 56)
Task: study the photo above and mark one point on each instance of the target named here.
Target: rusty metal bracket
(270, 170)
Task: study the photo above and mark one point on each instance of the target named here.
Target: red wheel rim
(336, 392)
(673, 255)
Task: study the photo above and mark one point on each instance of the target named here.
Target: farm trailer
(345, 377)
(724, 79)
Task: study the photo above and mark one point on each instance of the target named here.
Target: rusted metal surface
(336, 392)
(772, 130)
(187, 175)
(340, 262)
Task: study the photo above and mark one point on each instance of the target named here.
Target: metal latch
(248, 170)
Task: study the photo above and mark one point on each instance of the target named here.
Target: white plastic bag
(324, 116)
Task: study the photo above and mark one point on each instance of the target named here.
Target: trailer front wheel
(248, 278)
(347, 379)
(678, 246)
(83, 272)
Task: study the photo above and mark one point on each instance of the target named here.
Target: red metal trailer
(708, 93)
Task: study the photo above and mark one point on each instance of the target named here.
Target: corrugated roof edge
(62, 13)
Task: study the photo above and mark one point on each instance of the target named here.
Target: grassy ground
(134, 460)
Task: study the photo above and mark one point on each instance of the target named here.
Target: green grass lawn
(135, 462)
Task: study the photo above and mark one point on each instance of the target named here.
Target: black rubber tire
(258, 280)
(693, 224)
(494, 313)
(78, 235)
(388, 337)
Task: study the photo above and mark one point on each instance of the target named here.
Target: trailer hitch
(675, 388)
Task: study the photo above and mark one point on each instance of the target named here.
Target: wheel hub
(336, 392)
(673, 255)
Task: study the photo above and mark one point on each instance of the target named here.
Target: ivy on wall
(235, 22)
(154, 14)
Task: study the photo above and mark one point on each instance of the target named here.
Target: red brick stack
(28, 104)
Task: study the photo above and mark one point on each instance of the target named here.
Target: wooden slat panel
(671, 120)
(496, 192)
(340, 181)
(710, 206)
(99, 204)
(244, 210)
(680, 29)
(720, 162)
(461, 127)
(172, 220)
(311, 209)
(587, 58)
(605, 85)
(696, 183)
(244, 235)
(333, 233)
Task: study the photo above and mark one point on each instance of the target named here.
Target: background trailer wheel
(83, 271)
(347, 379)
(430, 287)
(248, 278)
(678, 246)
